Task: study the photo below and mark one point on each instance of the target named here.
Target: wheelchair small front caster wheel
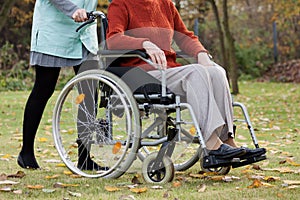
(218, 170)
(154, 172)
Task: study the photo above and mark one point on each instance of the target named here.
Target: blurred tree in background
(238, 33)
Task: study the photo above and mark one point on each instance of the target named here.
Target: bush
(253, 60)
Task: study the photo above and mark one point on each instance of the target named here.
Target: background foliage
(251, 24)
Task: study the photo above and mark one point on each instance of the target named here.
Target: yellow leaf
(116, 147)
(60, 165)
(256, 184)
(52, 177)
(111, 188)
(42, 139)
(193, 130)
(66, 172)
(35, 186)
(198, 176)
(6, 156)
(79, 98)
(138, 190)
(64, 185)
(291, 162)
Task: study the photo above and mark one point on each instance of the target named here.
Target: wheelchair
(118, 115)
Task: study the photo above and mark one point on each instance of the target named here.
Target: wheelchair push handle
(92, 16)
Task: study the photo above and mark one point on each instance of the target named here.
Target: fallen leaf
(291, 182)
(42, 139)
(126, 197)
(176, 184)
(60, 165)
(201, 188)
(74, 194)
(19, 174)
(64, 185)
(217, 178)
(111, 188)
(116, 147)
(197, 176)
(193, 130)
(3, 177)
(5, 189)
(135, 180)
(291, 162)
(156, 187)
(17, 191)
(48, 190)
(138, 190)
(35, 187)
(8, 182)
(79, 98)
(255, 184)
(52, 177)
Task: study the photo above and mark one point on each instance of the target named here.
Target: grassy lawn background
(274, 109)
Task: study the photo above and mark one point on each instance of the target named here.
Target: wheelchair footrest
(249, 161)
(214, 162)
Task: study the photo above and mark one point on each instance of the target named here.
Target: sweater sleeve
(65, 6)
(118, 19)
(185, 39)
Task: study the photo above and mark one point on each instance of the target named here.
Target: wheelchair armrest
(123, 53)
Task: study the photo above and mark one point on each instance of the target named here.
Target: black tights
(46, 79)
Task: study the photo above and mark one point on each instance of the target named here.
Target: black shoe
(32, 164)
(91, 165)
(250, 153)
(226, 152)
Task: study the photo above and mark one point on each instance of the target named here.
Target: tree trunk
(5, 10)
(231, 51)
(224, 57)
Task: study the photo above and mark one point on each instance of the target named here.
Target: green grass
(274, 109)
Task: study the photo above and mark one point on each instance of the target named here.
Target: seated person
(151, 26)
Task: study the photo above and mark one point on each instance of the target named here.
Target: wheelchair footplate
(211, 161)
(249, 160)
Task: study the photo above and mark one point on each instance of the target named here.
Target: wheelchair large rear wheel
(96, 123)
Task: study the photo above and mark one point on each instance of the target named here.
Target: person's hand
(204, 59)
(156, 54)
(80, 15)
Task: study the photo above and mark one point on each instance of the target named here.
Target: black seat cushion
(140, 82)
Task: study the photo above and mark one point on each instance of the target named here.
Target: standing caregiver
(55, 44)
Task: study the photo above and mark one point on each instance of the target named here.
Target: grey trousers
(206, 89)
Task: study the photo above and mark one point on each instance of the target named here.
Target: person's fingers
(80, 15)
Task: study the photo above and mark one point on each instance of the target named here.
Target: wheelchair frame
(157, 167)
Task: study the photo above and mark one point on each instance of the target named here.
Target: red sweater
(131, 22)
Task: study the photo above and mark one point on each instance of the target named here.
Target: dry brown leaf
(291, 182)
(176, 184)
(116, 147)
(217, 178)
(74, 194)
(255, 184)
(64, 185)
(271, 178)
(37, 187)
(111, 188)
(201, 188)
(135, 180)
(138, 190)
(79, 98)
(3, 177)
(197, 176)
